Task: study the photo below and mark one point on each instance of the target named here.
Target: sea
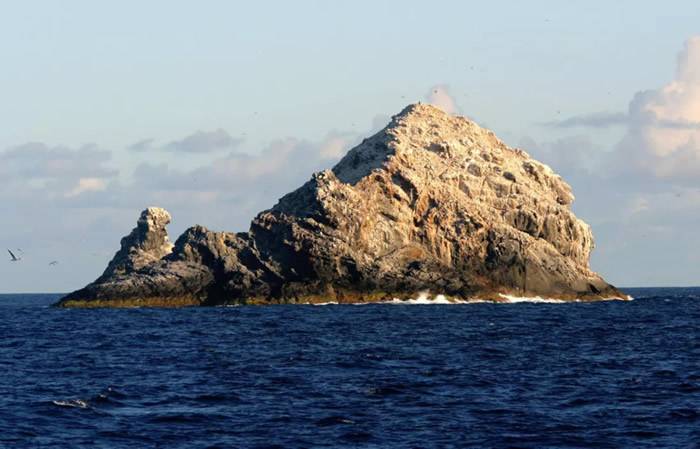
(615, 374)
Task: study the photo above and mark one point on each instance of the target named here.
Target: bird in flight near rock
(13, 258)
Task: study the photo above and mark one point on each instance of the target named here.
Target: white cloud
(439, 95)
(87, 185)
(662, 127)
(333, 148)
(336, 144)
(663, 137)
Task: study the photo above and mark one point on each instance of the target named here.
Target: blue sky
(213, 109)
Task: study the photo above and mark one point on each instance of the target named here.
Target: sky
(215, 109)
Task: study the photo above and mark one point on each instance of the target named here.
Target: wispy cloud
(141, 146)
(37, 160)
(595, 120)
(199, 142)
(205, 142)
(610, 119)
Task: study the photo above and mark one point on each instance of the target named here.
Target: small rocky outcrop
(431, 203)
(148, 242)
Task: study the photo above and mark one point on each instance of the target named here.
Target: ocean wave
(108, 396)
(75, 403)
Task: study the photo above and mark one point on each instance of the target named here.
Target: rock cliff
(432, 202)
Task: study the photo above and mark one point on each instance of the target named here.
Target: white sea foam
(420, 299)
(535, 299)
(510, 299)
(77, 403)
(426, 298)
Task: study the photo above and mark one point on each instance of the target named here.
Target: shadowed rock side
(430, 203)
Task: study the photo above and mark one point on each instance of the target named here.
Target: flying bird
(13, 258)
(53, 262)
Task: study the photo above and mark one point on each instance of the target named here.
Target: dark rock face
(431, 203)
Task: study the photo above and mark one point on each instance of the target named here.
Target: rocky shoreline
(431, 203)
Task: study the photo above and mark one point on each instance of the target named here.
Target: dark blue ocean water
(611, 374)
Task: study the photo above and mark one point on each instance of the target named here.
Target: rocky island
(431, 203)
